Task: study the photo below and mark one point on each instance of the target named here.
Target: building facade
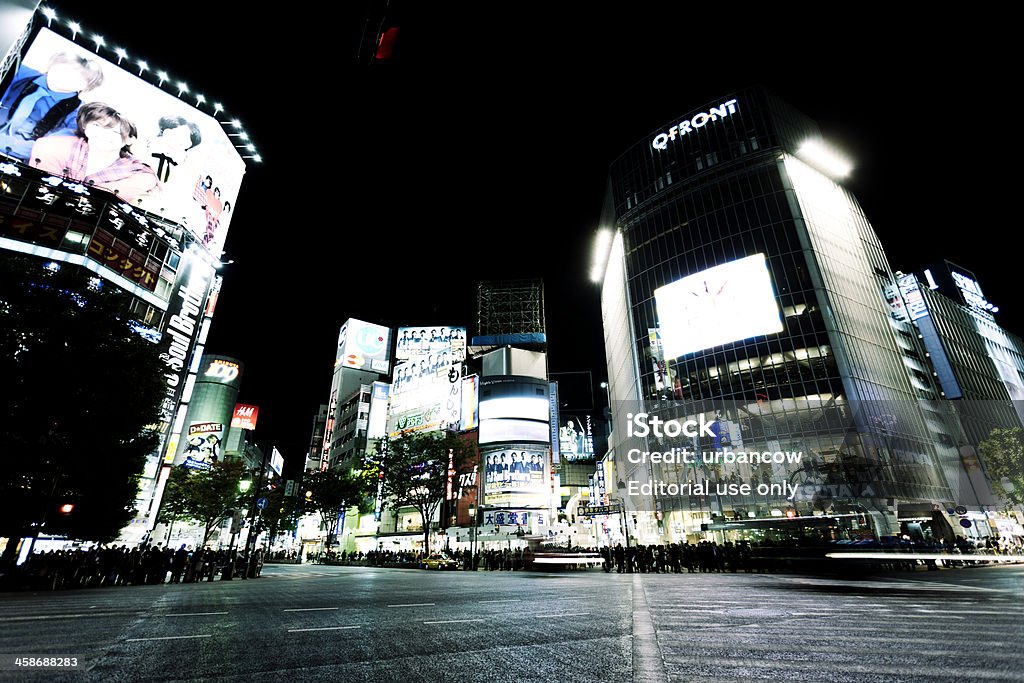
(743, 288)
(157, 233)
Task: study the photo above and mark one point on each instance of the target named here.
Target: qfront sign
(698, 120)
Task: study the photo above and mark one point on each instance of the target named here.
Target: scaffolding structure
(510, 307)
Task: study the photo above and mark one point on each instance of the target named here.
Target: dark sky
(481, 150)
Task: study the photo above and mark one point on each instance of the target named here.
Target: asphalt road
(318, 623)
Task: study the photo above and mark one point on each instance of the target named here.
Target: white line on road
(512, 600)
(325, 628)
(191, 614)
(954, 611)
(137, 640)
(310, 609)
(416, 604)
(452, 621)
(567, 614)
(92, 615)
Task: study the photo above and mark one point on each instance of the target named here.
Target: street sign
(261, 503)
(588, 510)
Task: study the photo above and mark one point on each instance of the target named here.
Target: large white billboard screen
(716, 306)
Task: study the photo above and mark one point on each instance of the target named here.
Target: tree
(204, 496)
(333, 491)
(174, 504)
(280, 513)
(81, 391)
(417, 470)
(1003, 455)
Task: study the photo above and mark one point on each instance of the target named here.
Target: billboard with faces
(203, 445)
(514, 470)
(415, 342)
(71, 113)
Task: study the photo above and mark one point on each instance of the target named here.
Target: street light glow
(602, 243)
(825, 158)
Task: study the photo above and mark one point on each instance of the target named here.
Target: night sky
(480, 151)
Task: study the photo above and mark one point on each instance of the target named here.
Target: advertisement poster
(69, 112)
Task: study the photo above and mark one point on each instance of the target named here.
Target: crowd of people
(488, 560)
(155, 565)
(124, 566)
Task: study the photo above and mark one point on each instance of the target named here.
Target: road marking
(325, 628)
(191, 614)
(310, 609)
(567, 614)
(452, 621)
(512, 600)
(951, 611)
(137, 640)
(72, 616)
(416, 604)
(648, 660)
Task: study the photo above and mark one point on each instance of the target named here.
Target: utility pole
(250, 539)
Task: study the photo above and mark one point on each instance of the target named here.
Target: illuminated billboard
(363, 346)
(722, 304)
(470, 403)
(514, 408)
(422, 341)
(376, 427)
(72, 113)
(203, 445)
(244, 416)
(220, 370)
(514, 470)
(427, 387)
(425, 397)
(576, 437)
(910, 291)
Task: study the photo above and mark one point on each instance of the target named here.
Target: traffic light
(67, 508)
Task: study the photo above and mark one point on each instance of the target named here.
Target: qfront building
(744, 292)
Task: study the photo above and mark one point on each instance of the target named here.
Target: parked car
(439, 561)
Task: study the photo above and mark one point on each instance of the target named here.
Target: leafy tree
(280, 513)
(174, 504)
(1003, 455)
(204, 496)
(332, 491)
(416, 470)
(81, 391)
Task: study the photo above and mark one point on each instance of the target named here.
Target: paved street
(319, 623)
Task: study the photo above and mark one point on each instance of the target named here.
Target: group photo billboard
(414, 342)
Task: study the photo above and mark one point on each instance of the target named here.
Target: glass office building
(741, 283)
